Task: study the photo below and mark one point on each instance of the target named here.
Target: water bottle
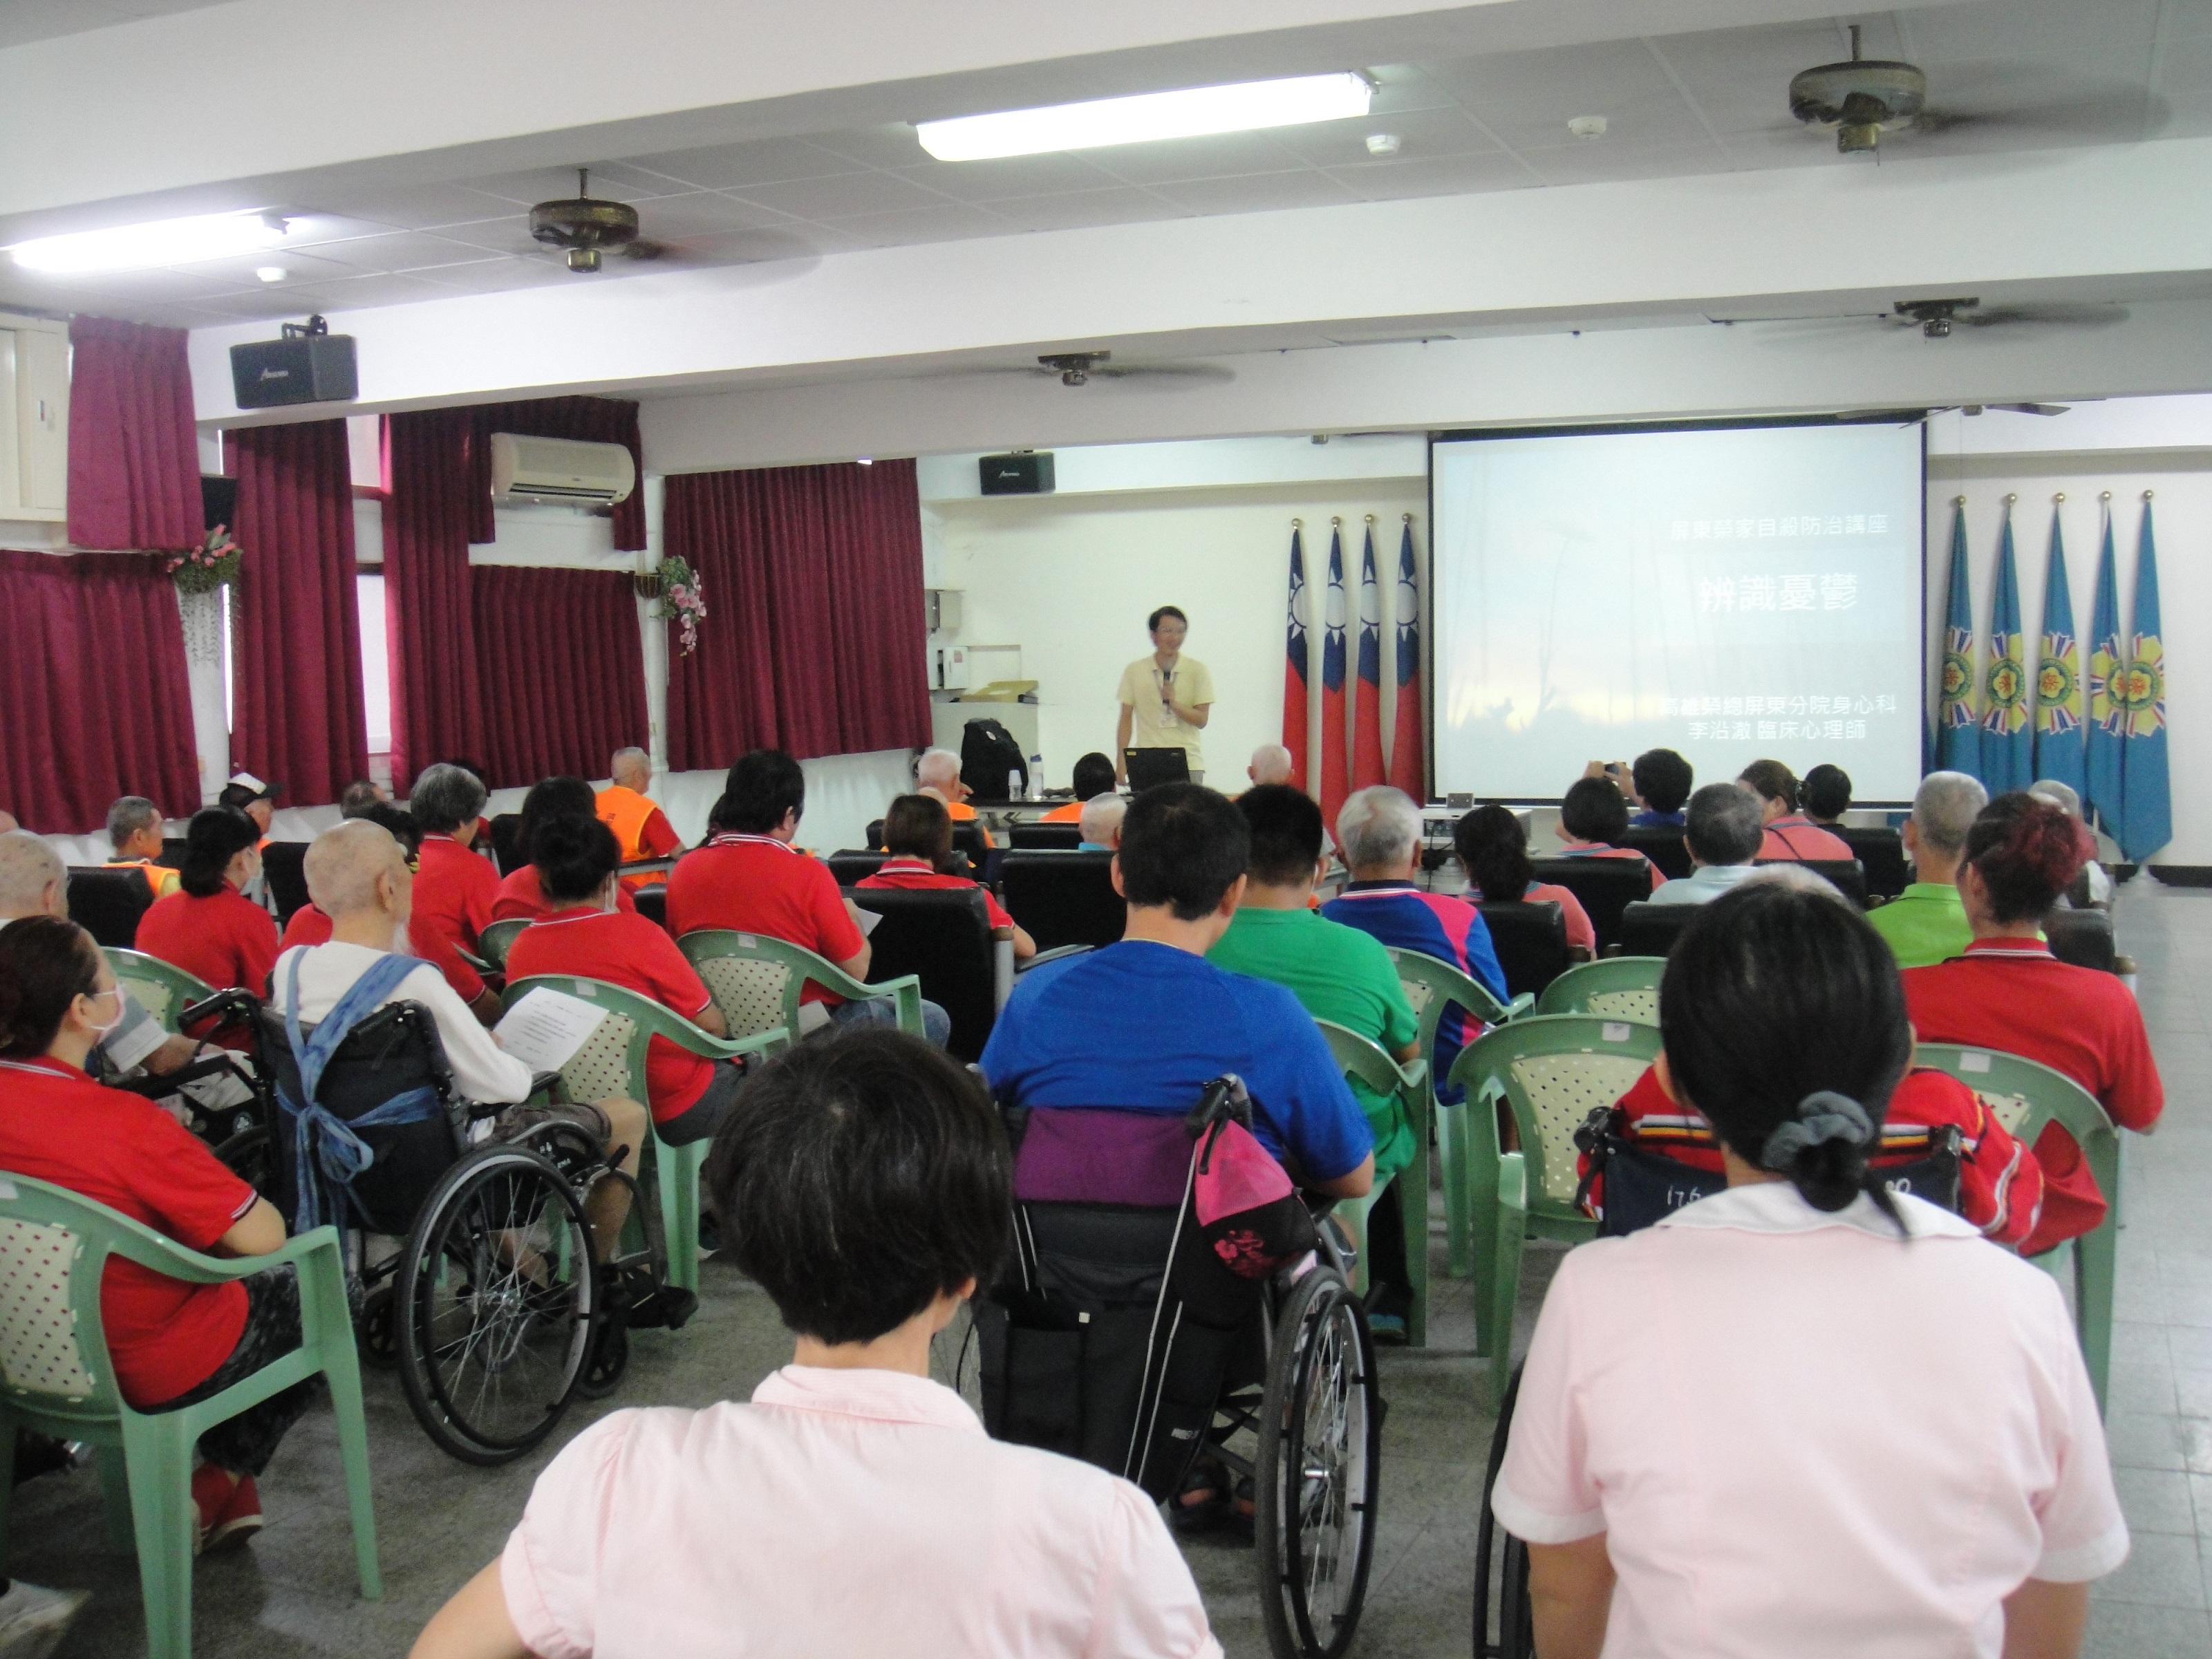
(1013, 783)
(1036, 777)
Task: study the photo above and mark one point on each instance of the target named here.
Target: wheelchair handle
(1223, 1100)
(239, 1003)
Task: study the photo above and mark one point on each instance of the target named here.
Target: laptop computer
(1149, 767)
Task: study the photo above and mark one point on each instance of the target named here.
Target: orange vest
(159, 877)
(625, 811)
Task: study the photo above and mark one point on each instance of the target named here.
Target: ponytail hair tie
(1822, 1116)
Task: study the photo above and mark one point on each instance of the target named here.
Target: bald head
(344, 865)
(938, 769)
(632, 769)
(1271, 763)
(31, 876)
(8, 824)
(1102, 819)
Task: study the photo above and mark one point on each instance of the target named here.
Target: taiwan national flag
(1367, 715)
(1328, 769)
(1957, 732)
(2058, 754)
(1295, 705)
(2147, 813)
(2008, 747)
(1405, 752)
(2106, 731)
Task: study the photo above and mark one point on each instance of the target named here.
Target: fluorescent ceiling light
(165, 242)
(1187, 114)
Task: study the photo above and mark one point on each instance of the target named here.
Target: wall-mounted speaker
(1024, 472)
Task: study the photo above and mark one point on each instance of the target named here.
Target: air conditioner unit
(560, 470)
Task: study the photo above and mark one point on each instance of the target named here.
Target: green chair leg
(115, 1493)
(677, 1173)
(1482, 1184)
(1413, 1216)
(159, 1459)
(2095, 1265)
(1452, 1150)
(1504, 1283)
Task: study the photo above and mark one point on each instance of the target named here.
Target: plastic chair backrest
(1433, 986)
(1618, 988)
(1553, 1069)
(2024, 1095)
(1650, 930)
(1662, 844)
(1063, 898)
(850, 866)
(1606, 887)
(1530, 940)
(1881, 854)
(284, 867)
(754, 980)
(161, 988)
(1848, 875)
(107, 904)
(611, 1061)
(1045, 837)
(496, 940)
(1363, 1058)
(943, 938)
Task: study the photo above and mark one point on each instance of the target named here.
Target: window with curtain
(376, 658)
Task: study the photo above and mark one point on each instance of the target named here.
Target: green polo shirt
(1342, 976)
(1924, 925)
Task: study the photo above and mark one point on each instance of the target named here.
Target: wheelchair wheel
(248, 1156)
(1318, 1470)
(496, 1295)
(1501, 1559)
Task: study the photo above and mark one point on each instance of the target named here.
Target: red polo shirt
(758, 885)
(454, 894)
(223, 940)
(916, 874)
(1796, 836)
(1598, 849)
(164, 1336)
(2012, 995)
(309, 925)
(629, 950)
(519, 899)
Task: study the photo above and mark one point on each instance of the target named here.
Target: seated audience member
(8, 824)
(454, 888)
(170, 1343)
(641, 828)
(519, 897)
(1722, 831)
(1927, 923)
(1270, 763)
(1592, 816)
(918, 835)
(1102, 821)
(246, 793)
(360, 795)
(1378, 834)
(1094, 776)
(1974, 1519)
(208, 927)
(1145, 1024)
(1493, 851)
(2007, 992)
(358, 877)
(1662, 780)
(1789, 833)
(1826, 795)
(937, 772)
(481, 842)
(2094, 886)
(308, 925)
(585, 933)
(749, 879)
(868, 1193)
(134, 830)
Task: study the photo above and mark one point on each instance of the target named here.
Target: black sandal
(1203, 1498)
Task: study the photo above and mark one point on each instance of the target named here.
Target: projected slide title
(1810, 523)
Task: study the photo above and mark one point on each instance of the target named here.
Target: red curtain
(93, 677)
(299, 712)
(590, 420)
(562, 668)
(437, 701)
(134, 468)
(815, 629)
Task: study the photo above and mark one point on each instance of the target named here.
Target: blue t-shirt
(1146, 1027)
(1649, 819)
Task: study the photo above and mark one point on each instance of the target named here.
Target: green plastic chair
(1618, 988)
(1433, 986)
(2024, 1097)
(494, 943)
(1550, 1071)
(56, 1378)
(612, 1064)
(1370, 1063)
(161, 988)
(756, 980)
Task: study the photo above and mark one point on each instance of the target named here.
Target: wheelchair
(470, 1259)
(237, 1132)
(1118, 1337)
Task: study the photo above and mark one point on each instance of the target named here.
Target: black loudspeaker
(1025, 473)
(316, 369)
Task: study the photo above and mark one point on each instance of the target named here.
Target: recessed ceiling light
(1382, 144)
(164, 242)
(1586, 126)
(1192, 113)
(271, 273)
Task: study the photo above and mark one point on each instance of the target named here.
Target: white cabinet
(34, 372)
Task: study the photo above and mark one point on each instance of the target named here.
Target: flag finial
(1336, 521)
(2009, 499)
(1408, 517)
(1297, 524)
(2060, 496)
(2104, 494)
(1958, 500)
(2147, 494)
(1371, 518)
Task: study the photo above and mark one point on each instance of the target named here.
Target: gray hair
(937, 767)
(1796, 876)
(344, 861)
(630, 760)
(362, 796)
(1725, 823)
(2061, 795)
(445, 798)
(128, 816)
(1377, 826)
(1944, 808)
(27, 867)
(1102, 818)
(1271, 763)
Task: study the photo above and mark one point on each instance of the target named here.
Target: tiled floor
(291, 1595)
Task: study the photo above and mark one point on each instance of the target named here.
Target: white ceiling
(22, 20)
(2039, 74)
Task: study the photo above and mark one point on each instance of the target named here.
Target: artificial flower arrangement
(681, 600)
(204, 569)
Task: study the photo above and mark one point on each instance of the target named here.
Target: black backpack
(988, 753)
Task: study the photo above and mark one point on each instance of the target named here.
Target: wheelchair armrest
(240, 1004)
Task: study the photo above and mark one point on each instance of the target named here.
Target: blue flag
(2103, 751)
(2147, 811)
(1957, 732)
(2058, 704)
(2008, 751)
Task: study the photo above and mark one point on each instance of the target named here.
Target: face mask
(102, 1031)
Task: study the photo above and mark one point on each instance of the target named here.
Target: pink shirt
(841, 1512)
(1801, 1434)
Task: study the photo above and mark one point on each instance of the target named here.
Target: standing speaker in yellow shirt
(1166, 698)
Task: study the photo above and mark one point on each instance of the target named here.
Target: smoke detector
(1382, 144)
(1586, 126)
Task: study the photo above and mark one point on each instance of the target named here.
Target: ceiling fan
(1081, 368)
(587, 226)
(1937, 319)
